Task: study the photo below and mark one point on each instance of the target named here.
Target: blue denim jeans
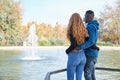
(89, 70)
(75, 64)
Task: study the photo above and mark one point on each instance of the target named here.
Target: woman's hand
(75, 50)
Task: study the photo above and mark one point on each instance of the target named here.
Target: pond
(12, 67)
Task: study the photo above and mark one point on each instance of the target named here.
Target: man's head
(89, 15)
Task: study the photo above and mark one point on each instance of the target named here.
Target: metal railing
(47, 77)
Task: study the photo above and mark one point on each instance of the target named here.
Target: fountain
(32, 42)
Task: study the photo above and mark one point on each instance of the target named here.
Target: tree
(10, 21)
(110, 29)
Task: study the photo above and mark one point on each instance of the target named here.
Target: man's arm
(91, 39)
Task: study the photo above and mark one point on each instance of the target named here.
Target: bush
(59, 42)
(44, 42)
(105, 44)
(51, 42)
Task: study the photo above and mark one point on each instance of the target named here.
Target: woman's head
(77, 27)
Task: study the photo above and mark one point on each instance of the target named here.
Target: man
(91, 54)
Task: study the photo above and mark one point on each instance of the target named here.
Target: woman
(76, 34)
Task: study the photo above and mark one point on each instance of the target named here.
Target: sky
(52, 11)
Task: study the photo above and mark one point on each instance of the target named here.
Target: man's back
(92, 28)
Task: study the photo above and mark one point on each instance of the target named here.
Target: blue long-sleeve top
(92, 28)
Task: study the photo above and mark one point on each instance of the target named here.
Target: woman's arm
(73, 44)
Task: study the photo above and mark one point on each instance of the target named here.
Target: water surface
(12, 67)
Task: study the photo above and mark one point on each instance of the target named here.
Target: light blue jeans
(89, 70)
(75, 64)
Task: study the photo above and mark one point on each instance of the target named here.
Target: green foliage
(59, 42)
(110, 24)
(51, 42)
(51, 36)
(105, 44)
(10, 19)
(44, 43)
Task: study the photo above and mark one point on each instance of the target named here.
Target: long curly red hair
(78, 29)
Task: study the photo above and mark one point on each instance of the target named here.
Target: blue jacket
(92, 28)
